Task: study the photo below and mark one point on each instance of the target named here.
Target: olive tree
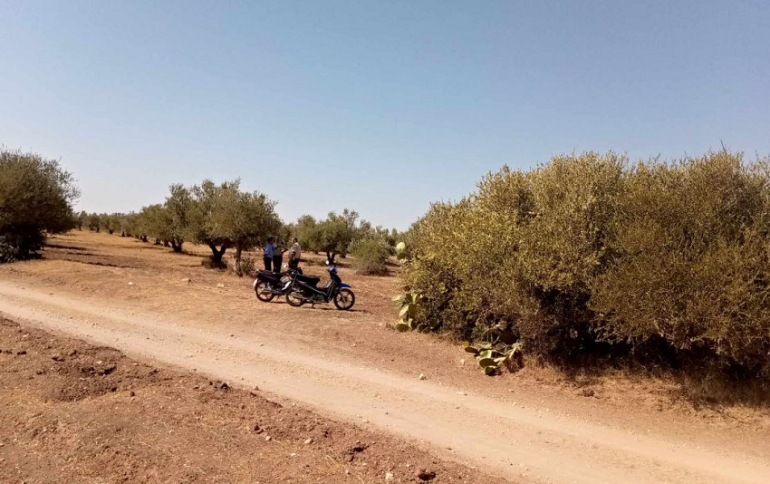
(94, 222)
(337, 232)
(155, 221)
(306, 230)
(178, 206)
(223, 217)
(36, 197)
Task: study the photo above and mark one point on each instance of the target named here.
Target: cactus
(407, 306)
(491, 355)
(401, 251)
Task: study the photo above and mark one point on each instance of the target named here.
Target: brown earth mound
(73, 412)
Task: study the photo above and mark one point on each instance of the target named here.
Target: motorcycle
(305, 289)
(268, 284)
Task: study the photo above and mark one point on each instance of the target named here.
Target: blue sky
(382, 107)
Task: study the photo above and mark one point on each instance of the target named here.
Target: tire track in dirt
(523, 444)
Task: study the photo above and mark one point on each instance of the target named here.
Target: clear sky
(382, 106)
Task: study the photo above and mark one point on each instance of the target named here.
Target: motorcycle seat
(269, 275)
(312, 280)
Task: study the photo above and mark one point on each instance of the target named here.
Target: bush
(591, 255)
(36, 198)
(371, 255)
(247, 266)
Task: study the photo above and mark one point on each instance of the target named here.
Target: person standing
(294, 254)
(278, 250)
(269, 254)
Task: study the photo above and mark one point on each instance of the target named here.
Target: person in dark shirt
(278, 250)
(269, 251)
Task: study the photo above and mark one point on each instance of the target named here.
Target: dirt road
(509, 439)
(526, 427)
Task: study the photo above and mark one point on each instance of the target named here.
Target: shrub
(247, 266)
(371, 255)
(591, 255)
(36, 197)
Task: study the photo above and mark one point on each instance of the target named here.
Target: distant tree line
(222, 217)
(37, 197)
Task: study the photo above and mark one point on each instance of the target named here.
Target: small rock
(258, 429)
(57, 357)
(108, 369)
(462, 393)
(423, 377)
(187, 280)
(73, 352)
(588, 392)
(220, 285)
(224, 386)
(389, 476)
(308, 441)
(426, 475)
(22, 352)
(130, 283)
(133, 394)
(462, 362)
(293, 454)
(268, 438)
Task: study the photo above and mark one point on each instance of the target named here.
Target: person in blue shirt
(269, 254)
(278, 249)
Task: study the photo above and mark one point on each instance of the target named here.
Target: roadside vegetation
(36, 197)
(592, 260)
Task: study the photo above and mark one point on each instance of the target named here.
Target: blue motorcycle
(305, 290)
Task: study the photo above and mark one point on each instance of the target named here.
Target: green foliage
(306, 230)
(408, 307)
(371, 254)
(223, 216)
(338, 235)
(94, 222)
(36, 197)
(337, 232)
(591, 255)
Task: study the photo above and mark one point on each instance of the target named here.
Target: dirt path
(522, 443)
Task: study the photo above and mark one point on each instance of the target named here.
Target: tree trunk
(97, 230)
(330, 257)
(143, 238)
(157, 241)
(111, 231)
(177, 246)
(165, 243)
(237, 259)
(217, 254)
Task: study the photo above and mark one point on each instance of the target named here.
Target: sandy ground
(73, 412)
(534, 426)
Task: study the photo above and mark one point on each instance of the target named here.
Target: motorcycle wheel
(263, 291)
(344, 299)
(293, 300)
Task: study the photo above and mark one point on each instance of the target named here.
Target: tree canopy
(36, 197)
